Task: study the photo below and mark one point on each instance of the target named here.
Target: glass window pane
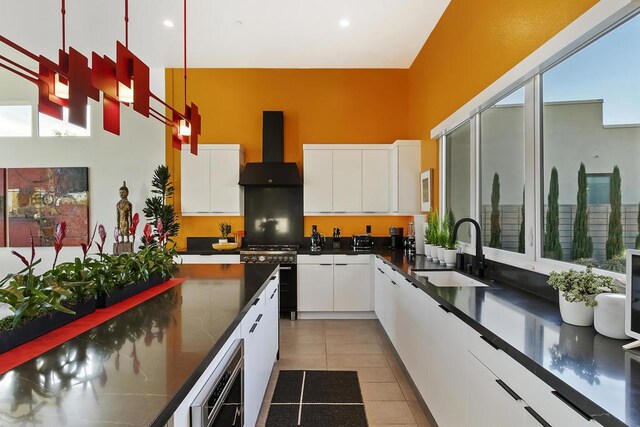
(458, 159)
(502, 173)
(48, 126)
(15, 120)
(591, 117)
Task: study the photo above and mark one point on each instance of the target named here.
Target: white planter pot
(450, 257)
(427, 250)
(575, 313)
(223, 240)
(608, 316)
(441, 255)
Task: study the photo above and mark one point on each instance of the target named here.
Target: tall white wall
(111, 159)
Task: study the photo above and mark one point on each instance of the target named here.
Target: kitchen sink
(449, 279)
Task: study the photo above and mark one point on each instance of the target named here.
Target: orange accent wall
(320, 106)
(474, 43)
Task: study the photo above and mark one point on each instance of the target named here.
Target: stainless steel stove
(269, 254)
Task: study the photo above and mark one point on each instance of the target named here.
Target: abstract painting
(39, 198)
(3, 201)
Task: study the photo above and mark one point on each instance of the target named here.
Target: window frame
(598, 23)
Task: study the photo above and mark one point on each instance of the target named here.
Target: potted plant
(443, 237)
(577, 290)
(428, 236)
(225, 230)
(434, 234)
(449, 245)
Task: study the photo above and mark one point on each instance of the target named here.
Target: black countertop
(589, 369)
(136, 368)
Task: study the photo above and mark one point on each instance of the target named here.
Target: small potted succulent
(225, 230)
(578, 290)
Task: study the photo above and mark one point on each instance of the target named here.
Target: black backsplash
(273, 215)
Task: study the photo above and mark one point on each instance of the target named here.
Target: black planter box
(42, 325)
(104, 300)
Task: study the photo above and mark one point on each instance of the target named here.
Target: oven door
(221, 400)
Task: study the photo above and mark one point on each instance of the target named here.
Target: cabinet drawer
(352, 259)
(315, 259)
(491, 356)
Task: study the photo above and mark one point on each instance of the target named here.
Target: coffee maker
(317, 239)
(396, 234)
(410, 240)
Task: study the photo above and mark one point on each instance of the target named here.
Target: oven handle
(285, 268)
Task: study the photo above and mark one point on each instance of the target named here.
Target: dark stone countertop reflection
(137, 367)
(589, 369)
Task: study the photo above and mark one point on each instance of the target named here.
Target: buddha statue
(124, 214)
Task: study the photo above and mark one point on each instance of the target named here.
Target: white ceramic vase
(608, 315)
(575, 313)
(450, 257)
(223, 240)
(427, 250)
(441, 254)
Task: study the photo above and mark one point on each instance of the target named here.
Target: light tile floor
(358, 345)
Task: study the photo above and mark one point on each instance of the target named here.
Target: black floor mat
(329, 398)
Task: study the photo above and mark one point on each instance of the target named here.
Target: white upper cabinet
(209, 181)
(375, 180)
(362, 179)
(318, 182)
(347, 181)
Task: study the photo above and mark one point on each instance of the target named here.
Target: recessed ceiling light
(344, 23)
(167, 23)
(238, 22)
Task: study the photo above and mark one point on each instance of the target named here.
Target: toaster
(361, 242)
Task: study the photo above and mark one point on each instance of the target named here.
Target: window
(48, 126)
(15, 120)
(458, 179)
(502, 177)
(591, 145)
(598, 188)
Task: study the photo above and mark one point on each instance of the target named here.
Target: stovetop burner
(269, 254)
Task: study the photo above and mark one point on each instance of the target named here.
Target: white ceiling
(233, 33)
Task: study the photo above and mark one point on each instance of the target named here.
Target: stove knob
(262, 258)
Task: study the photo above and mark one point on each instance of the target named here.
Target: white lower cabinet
(335, 283)
(315, 287)
(260, 333)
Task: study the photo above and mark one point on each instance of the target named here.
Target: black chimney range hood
(273, 171)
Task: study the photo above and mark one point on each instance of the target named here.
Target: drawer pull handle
(253, 328)
(411, 283)
(508, 390)
(571, 405)
(325, 264)
(259, 318)
(272, 278)
(444, 308)
(256, 301)
(394, 283)
(488, 341)
(340, 264)
(537, 416)
(273, 294)
(380, 270)
(285, 268)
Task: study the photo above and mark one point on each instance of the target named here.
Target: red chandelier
(71, 82)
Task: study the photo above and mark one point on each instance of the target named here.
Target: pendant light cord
(64, 27)
(126, 23)
(185, 50)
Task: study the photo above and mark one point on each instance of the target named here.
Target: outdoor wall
(111, 159)
(474, 43)
(320, 107)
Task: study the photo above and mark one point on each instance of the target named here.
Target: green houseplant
(431, 235)
(449, 247)
(158, 207)
(225, 230)
(577, 291)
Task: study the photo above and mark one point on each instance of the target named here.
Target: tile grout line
(304, 375)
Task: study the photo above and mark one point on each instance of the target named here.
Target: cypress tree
(552, 246)
(582, 245)
(496, 241)
(638, 236)
(615, 245)
(521, 233)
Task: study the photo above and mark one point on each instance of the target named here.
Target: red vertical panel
(111, 111)
(195, 128)
(79, 78)
(103, 77)
(176, 139)
(141, 90)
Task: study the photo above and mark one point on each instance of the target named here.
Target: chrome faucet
(480, 260)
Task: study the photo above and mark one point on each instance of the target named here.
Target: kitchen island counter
(136, 368)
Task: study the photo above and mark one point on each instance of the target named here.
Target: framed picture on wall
(426, 191)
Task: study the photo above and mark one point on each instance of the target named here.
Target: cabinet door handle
(571, 405)
(380, 270)
(273, 294)
(508, 390)
(488, 341)
(411, 283)
(394, 283)
(272, 278)
(285, 268)
(256, 301)
(537, 416)
(324, 265)
(444, 308)
(253, 328)
(339, 264)
(259, 318)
